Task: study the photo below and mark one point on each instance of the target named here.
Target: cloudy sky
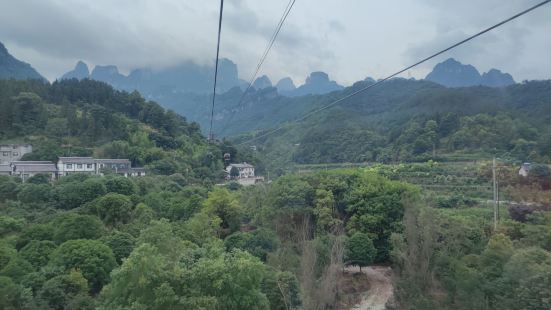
(349, 39)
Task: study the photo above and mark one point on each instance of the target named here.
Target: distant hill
(12, 68)
(452, 73)
(84, 118)
(400, 120)
(317, 83)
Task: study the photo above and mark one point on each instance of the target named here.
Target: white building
(524, 169)
(13, 152)
(5, 169)
(245, 170)
(70, 165)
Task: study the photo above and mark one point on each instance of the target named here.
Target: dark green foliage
(36, 193)
(360, 250)
(17, 268)
(113, 209)
(61, 290)
(120, 243)
(73, 195)
(91, 257)
(120, 185)
(35, 232)
(37, 253)
(14, 296)
(71, 226)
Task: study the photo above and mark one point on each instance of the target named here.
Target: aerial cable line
(401, 71)
(286, 12)
(269, 46)
(216, 69)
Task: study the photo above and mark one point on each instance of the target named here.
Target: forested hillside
(84, 118)
(405, 120)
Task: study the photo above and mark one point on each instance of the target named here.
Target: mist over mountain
(452, 73)
(285, 85)
(262, 82)
(12, 68)
(317, 83)
(80, 72)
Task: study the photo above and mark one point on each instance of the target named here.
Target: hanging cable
(211, 136)
(400, 72)
(279, 25)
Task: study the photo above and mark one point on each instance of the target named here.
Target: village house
(246, 174)
(5, 169)
(13, 152)
(524, 169)
(245, 170)
(25, 170)
(70, 165)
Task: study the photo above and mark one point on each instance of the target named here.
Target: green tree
(58, 291)
(113, 209)
(17, 268)
(75, 194)
(15, 297)
(120, 243)
(359, 250)
(37, 252)
(91, 257)
(77, 226)
(225, 205)
(120, 185)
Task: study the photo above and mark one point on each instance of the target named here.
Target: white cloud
(348, 39)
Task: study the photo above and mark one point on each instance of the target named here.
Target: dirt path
(380, 287)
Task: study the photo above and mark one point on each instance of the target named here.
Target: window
(88, 166)
(15, 154)
(69, 166)
(6, 154)
(79, 166)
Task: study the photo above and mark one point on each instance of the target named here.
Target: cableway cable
(216, 69)
(400, 72)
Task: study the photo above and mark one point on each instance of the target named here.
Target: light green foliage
(93, 258)
(224, 205)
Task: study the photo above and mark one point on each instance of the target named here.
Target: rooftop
(77, 160)
(5, 168)
(243, 165)
(114, 161)
(35, 168)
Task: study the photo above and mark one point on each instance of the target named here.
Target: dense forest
(84, 118)
(406, 120)
(180, 238)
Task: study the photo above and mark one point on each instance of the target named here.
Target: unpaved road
(380, 287)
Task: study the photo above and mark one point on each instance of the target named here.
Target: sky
(348, 39)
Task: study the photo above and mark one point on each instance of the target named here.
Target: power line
(286, 12)
(401, 71)
(216, 68)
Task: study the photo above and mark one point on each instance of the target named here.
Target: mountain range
(452, 73)
(11, 68)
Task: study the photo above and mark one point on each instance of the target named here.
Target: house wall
(13, 152)
(65, 168)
